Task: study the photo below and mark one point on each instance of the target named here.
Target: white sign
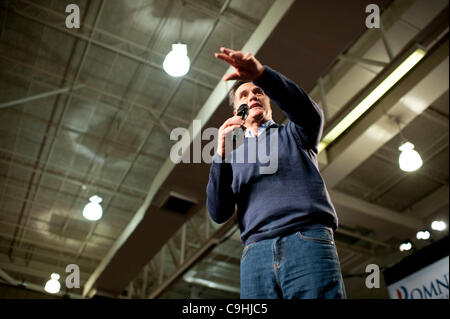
(430, 282)
(373, 280)
(73, 19)
(373, 19)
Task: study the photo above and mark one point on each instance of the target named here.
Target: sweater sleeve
(220, 197)
(295, 103)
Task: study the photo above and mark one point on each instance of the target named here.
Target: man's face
(257, 101)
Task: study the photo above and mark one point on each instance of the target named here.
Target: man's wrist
(263, 69)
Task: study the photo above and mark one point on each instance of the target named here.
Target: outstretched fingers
(226, 50)
(234, 61)
(247, 57)
(245, 64)
(237, 55)
(225, 58)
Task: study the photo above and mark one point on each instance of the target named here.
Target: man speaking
(286, 218)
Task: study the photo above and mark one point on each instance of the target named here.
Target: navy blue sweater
(292, 198)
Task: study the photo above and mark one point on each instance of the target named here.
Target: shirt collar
(266, 124)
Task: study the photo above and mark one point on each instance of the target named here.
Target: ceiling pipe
(191, 278)
(41, 96)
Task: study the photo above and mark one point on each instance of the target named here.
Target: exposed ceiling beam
(8, 278)
(417, 91)
(430, 204)
(209, 245)
(436, 117)
(106, 46)
(231, 17)
(95, 90)
(53, 248)
(362, 237)
(354, 249)
(54, 256)
(71, 178)
(375, 211)
(40, 96)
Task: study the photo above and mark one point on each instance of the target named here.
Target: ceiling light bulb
(423, 234)
(52, 286)
(177, 62)
(409, 160)
(93, 210)
(438, 225)
(405, 246)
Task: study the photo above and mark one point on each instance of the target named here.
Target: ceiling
(90, 111)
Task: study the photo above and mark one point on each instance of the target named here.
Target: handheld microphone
(243, 113)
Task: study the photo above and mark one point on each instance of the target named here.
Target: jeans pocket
(246, 250)
(321, 235)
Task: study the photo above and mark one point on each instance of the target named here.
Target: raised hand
(247, 67)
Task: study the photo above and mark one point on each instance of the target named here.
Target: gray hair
(232, 92)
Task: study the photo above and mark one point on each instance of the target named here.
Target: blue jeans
(301, 265)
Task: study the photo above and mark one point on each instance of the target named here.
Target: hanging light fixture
(53, 286)
(423, 235)
(409, 160)
(93, 210)
(177, 63)
(438, 225)
(405, 246)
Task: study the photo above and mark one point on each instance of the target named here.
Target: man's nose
(252, 97)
